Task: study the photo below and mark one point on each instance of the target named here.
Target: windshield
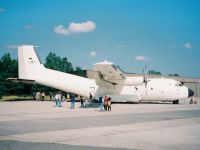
(178, 84)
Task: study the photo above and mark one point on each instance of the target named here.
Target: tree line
(9, 69)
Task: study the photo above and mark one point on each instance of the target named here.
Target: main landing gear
(175, 101)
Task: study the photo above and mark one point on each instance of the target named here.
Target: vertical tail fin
(29, 65)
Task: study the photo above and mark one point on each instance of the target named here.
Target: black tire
(175, 101)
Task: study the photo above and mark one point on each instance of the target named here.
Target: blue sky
(162, 34)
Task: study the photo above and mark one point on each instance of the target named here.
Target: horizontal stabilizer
(16, 80)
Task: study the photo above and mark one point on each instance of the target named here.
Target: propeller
(145, 80)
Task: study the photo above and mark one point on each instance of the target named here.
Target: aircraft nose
(190, 93)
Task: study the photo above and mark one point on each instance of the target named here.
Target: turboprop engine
(134, 81)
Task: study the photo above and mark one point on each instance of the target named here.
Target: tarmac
(35, 125)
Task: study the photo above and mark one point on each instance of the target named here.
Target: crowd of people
(58, 97)
(193, 100)
(39, 96)
(105, 103)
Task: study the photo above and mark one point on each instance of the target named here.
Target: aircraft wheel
(175, 101)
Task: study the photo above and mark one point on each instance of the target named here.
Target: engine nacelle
(134, 81)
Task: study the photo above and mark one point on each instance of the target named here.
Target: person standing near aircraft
(38, 96)
(106, 103)
(63, 98)
(91, 96)
(60, 99)
(81, 98)
(68, 97)
(72, 101)
(56, 100)
(50, 96)
(86, 103)
(193, 100)
(101, 103)
(109, 103)
(43, 95)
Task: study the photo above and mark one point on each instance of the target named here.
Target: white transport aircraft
(108, 80)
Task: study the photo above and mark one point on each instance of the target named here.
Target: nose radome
(190, 92)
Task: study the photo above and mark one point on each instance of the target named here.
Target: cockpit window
(178, 84)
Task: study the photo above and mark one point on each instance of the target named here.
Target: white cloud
(93, 54)
(188, 45)
(1, 10)
(121, 46)
(15, 46)
(61, 30)
(83, 27)
(141, 58)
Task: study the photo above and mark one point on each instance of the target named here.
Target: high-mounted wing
(108, 72)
